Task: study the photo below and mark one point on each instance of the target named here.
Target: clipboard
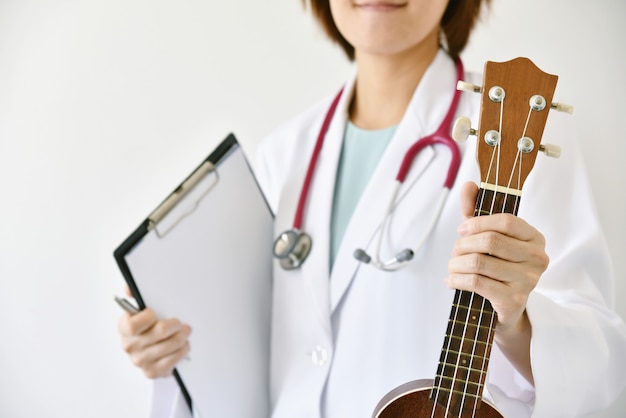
(204, 256)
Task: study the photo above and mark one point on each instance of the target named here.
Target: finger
(482, 285)
(162, 331)
(128, 292)
(503, 223)
(474, 271)
(498, 245)
(150, 355)
(469, 193)
(508, 304)
(482, 265)
(131, 325)
(164, 366)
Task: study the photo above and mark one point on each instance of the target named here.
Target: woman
(345, 333)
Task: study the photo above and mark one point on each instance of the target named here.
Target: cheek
(340, 11)
(388, 32)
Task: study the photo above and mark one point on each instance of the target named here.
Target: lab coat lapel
(315, 271)
(416, 194)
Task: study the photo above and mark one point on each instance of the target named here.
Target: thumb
(469, 193)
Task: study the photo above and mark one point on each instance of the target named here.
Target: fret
(466, 343)
(454, 359)
(470, 332)
(469, 324)
(489, 202)
(484, 321)
(467, 385)
(481, 372)
(481, 311)
(458, 392)
(459, 340)
(473, 301)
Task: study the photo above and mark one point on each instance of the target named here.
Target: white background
(105, 105)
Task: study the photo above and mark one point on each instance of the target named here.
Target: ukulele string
(437, 385)
(518, 159)
(448, 351)
(499, 148)
(516, 168)
(480, 319)
(483, 368)
(458, 357)
(458, 360)
(474, 346)
(495, 154)
(471, 361)
(475, 407)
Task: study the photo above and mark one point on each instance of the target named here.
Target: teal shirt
(360, 154)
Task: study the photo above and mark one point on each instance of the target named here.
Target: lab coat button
(319, 356)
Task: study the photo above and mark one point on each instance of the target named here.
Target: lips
(378, 3)
(375, 5)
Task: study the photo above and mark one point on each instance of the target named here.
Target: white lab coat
(342, 340)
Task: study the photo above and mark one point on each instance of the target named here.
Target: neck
(385, 85)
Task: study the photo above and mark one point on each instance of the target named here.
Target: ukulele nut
(496, 94)
(525, 145)
(492, 138)
(537, 103)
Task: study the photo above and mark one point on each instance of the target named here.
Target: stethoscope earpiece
(392, 265)
(362, 256)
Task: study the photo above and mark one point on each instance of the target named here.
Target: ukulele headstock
(516, 97)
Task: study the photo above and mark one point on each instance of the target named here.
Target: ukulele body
(412, 400)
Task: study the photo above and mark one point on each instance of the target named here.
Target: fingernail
(462, 229)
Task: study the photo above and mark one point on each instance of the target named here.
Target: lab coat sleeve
(168, 401)
(578, 340)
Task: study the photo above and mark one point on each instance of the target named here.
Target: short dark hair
(457, 23)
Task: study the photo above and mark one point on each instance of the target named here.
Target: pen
(131, 309)
(126, 305)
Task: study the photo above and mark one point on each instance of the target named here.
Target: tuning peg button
(553, 151)
(472, 88)
(560, 107)
(462, 129)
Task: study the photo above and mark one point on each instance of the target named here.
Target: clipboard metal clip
(160, 213)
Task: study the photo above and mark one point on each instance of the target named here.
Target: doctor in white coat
(345, 333)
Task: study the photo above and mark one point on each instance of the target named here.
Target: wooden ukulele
(516, 98)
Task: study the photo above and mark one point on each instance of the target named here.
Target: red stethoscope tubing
(441, 136)
(304, 193)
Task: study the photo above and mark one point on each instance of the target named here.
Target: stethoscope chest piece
(291, 248)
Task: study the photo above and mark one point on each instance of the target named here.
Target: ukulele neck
(469, 337)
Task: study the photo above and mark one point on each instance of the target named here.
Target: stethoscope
(293, 246)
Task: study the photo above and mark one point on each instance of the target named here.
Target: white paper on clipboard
(208, 263)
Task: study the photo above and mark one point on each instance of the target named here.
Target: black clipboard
(183, 261)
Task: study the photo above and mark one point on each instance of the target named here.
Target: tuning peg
(550, 150)
(472, 88)
(560, 107)
(462, 129)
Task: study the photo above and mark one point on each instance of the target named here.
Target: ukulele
(516, 97)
